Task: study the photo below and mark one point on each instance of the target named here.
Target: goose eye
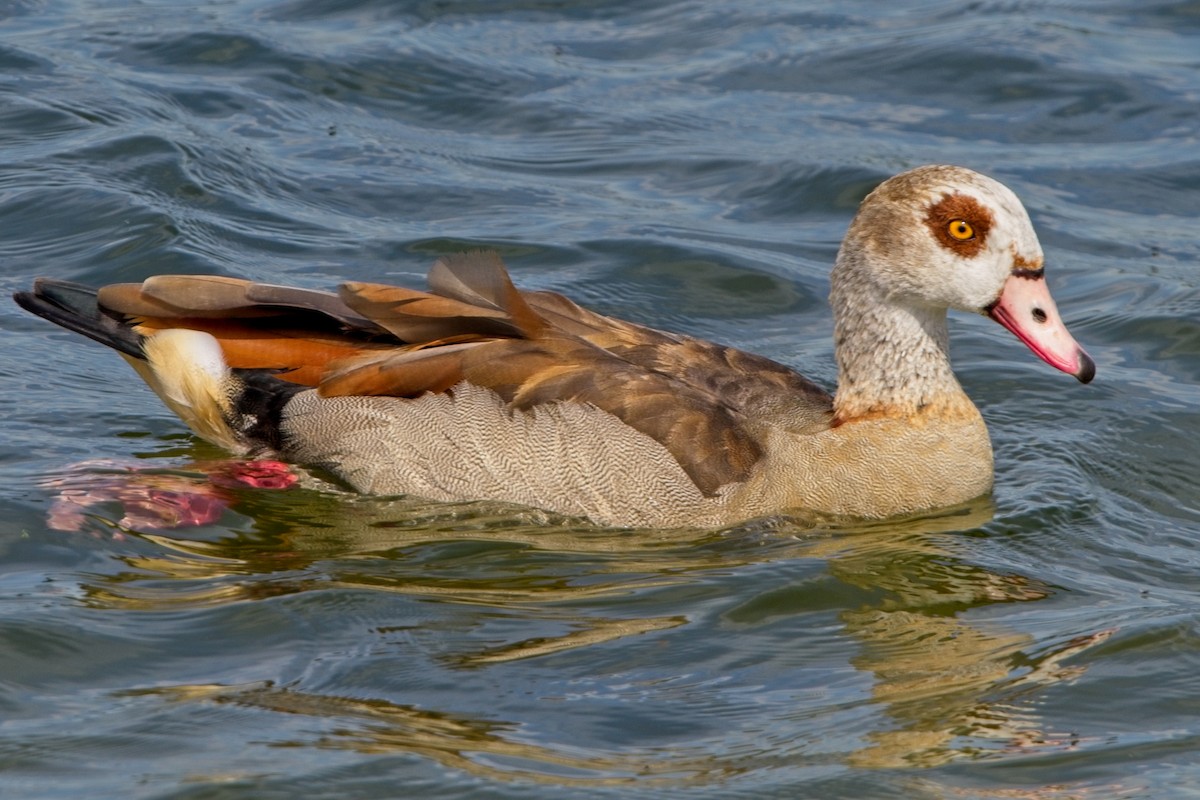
(961, 230)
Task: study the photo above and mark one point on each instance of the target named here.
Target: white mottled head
(941, 237)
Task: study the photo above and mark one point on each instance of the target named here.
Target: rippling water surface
(166, 633)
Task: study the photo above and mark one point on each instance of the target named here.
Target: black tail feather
(74, 307)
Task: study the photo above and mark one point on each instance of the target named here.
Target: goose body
(475, 390)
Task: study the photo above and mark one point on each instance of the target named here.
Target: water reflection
(934, 670)
(951, 686)
(954, 687)
(483, 748)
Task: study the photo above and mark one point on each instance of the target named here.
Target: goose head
(940, 237)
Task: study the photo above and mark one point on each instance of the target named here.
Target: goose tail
(238, 410)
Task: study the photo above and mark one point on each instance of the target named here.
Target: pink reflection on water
(154, 498)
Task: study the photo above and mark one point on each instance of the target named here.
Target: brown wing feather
(219, 297)
(756, 386)
(293, 332)
(416, 316)
(607, 332)
(325, 303)
(480, 279)
(405, 372)
(130, 299)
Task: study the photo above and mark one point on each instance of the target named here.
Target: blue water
(691, 165)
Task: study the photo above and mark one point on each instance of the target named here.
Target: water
(691, 165)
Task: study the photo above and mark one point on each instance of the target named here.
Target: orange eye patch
(959, 223)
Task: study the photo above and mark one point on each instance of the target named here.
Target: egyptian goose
(479, 391)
